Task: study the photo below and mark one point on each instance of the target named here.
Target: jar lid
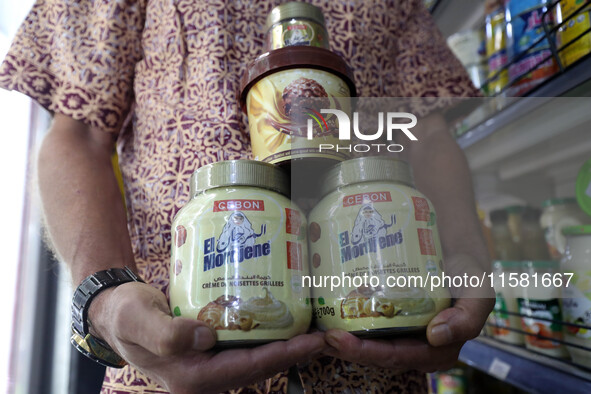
(367, 169)
(559, 201)
(514, 209)
(583, 187)
(506, 264)
(239, 173)
(550, 264)
(294, 10)
(294, 57)
(577, 230)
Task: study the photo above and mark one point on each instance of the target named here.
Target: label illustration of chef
(369, 224)
(238, 232)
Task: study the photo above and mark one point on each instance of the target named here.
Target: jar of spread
(374, 242)
(577, 295)
(239, 253)
(296, 23)
(504, 315)
(539, 305)
(533, 242)
(504, 244)
(559, 213)
(283, 94)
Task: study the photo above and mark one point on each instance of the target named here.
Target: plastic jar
(278, 90)
(239, 253)
(505, 246)
(539, 305)
(577, 295)
(506, 301)
(557, 214)
(533, 242)
(374, 232)
(296, 23)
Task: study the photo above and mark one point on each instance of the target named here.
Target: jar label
(280, 106)
(237, 264)
(297, 32)
(541, 317)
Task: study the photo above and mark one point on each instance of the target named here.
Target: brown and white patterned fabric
(163, 76)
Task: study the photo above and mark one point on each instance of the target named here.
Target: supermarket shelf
(574, 82)
(522, 368)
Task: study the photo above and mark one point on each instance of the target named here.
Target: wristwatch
(92, 347)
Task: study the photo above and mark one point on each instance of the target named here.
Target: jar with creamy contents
(540, 307)
(375, 235)
(504, 244)
(296, 23)
(239, 253)
(533, 242)
(557, 214)
(577, 295)
(505, 324)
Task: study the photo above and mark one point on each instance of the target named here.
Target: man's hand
(446, 333)
(135, 320)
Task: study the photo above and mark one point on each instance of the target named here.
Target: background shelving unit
(531, 149)
(522, 368)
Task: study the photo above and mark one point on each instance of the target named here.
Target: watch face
(93, 349)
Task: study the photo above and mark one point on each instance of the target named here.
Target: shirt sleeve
(78, 58)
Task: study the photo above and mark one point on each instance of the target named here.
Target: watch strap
(90, 288)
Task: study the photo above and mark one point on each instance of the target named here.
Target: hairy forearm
(442, 174)
(84, 214)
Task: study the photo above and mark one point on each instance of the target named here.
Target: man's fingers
(142, 318)
(459, 323)
(243, 366)
(401, 354)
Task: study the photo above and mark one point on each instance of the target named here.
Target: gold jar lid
(368, 169)
(294, 10)
(239, 173)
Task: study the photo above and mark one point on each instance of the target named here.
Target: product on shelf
(505, 246)
(376, 231)
(577, 295)
(573, 29)
(452, 381)
(525, 19)
(539, 305)
(490, 244)
(559, 213)
(533, 242)
(239, 252)
(506, 301)
(583, 187)
(496, 46)
(468, 47)
(514, 222)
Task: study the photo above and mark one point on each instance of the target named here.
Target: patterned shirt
(163, 76)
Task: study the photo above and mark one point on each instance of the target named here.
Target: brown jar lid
(294, 57)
